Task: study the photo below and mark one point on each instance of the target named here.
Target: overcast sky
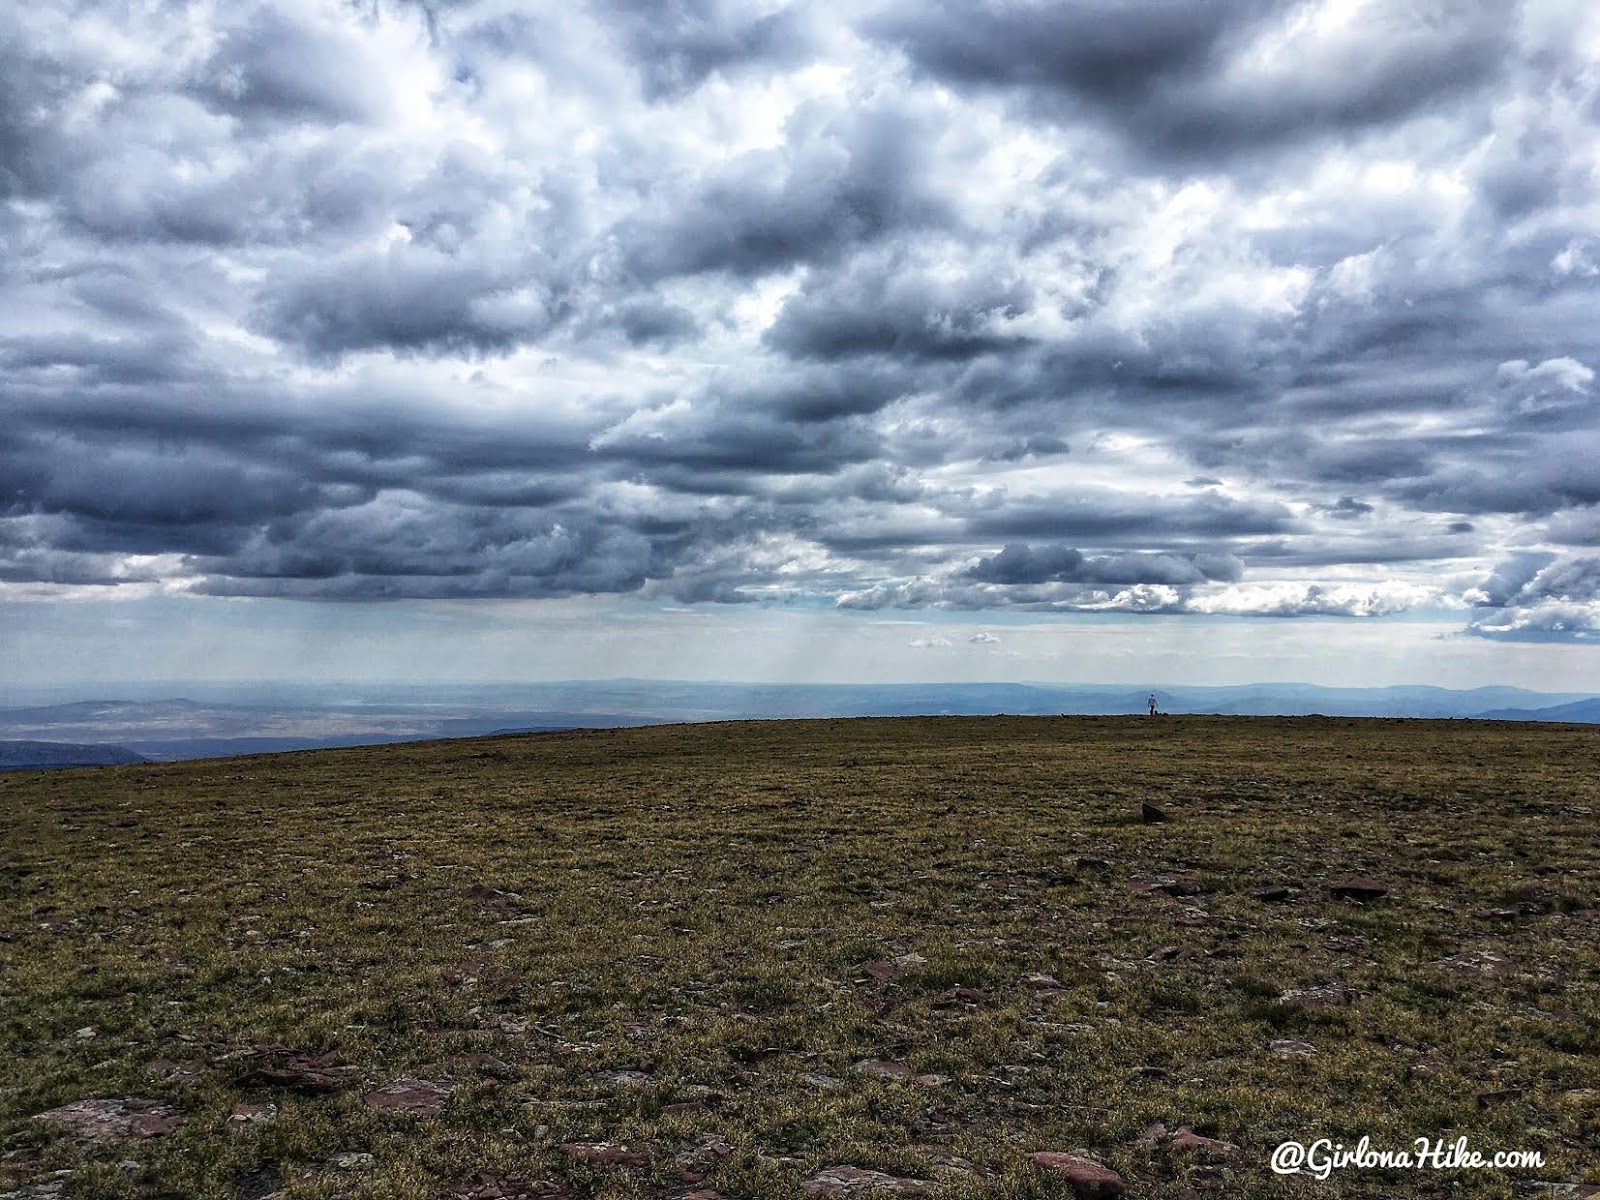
(1161, 340)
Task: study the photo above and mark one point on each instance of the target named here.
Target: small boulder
(1152, 814)
(1087, 1178)
(1358, 887)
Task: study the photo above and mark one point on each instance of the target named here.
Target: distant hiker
(1152, 704)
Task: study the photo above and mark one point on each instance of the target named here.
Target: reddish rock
(1151, 814)
(887, 970)
(295, 1069)
(1357, 887)
(110, 1120)
(850, 1181)
(483, 1186)
(1088, 1179)
(419, 1097)
(606, 1154)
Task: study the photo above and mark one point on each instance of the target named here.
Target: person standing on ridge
(1152, 704)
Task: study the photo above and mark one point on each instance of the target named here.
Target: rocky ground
(1009, 957)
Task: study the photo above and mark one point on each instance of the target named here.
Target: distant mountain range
(49, 756)
(215, 720)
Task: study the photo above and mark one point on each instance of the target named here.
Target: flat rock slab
(1326, 996)
(482, 1185)
(97, 1121)
(851, 1181)
(1291, 1048)
(887, 970)
(52, 1189)
(1358, 887)
(606, 1154)
(1476, 962)
(1087, 1178)
(419, 1097)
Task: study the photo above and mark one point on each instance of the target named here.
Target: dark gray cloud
(1190, 80)
(1259, 308)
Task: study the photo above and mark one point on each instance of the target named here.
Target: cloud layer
(1248, 309)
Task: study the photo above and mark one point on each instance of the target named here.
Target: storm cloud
(1248, 309)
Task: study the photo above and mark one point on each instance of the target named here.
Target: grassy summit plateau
(719, 960)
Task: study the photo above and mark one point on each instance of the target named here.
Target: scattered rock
(1171, 953)
(606, 1154)
(296, 1070)
(419, 1097)
(243, 1115)
(50, 1189)
(965, 997)
(849, 1181)
(481, 1185)
(1088, 1179)
(1183, 885)
(1272, 895)
(1476, 962)
(1357, 887)
(887, 970)
(1088, 863)
(1325, 995)
(1498, 914)
(1042, 982)
(189, 1070)
(1345, 945)
(1151, 814)
(1292, 1048)
(97, 1121)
